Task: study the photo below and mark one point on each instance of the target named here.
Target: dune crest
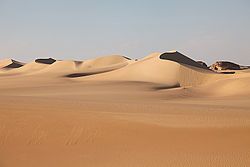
(45, 61)
(171, 69)
(100, 65)
(28, 68)
(60, 67)
(104, 61)
(10, 64)
(150, 69)
(180, 58)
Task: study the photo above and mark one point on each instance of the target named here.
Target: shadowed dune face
(82, 74)
(45, 61)
(14, 64)
(126, 57)
(180, 58)
(202, 63)
(10, 64)
(76, 75)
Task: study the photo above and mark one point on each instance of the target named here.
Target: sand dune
(163, 110)
(180, 58)
(10, 63)
(61, 67)
(150, 69)
(235, 85)
(170, 69)
(5, 62)
(100, 65)
(93, 71)
(71, 68)
(103, 62)
(27, 68)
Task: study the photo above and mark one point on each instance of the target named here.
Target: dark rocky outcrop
(224, 65)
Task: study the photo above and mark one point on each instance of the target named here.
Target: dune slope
(10, 63)
(171, 69)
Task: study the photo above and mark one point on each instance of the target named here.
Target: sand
(7, 64)
(150, 112)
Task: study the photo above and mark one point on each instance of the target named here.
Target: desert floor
(72, 123)
(121, 113)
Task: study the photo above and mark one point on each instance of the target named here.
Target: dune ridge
(45, 61)
(180, 58)
(51, 67)
(28, 68)
(171, 69)
(10, 64)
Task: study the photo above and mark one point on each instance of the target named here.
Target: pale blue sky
(81, 29)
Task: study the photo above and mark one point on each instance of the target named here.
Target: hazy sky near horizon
(82, 29)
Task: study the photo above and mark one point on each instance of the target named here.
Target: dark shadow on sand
(45, 61)
(162, 87)
(227, 72)
(76, 75)
(14, 64)
(180, 58)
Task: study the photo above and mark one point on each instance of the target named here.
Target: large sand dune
(170, 69)
(162, 110)
(60, 67)
(26, 69)
(101, 65)
(71, 68)
(151, 69)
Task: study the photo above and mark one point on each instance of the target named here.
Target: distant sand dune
(93, 71)
(71, 68)
(26, 69)
(170, 69)
(60, 67)
(10, 64)
(151, 69)
(99, 65)
(102, 62)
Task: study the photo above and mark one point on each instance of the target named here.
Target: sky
(83, 29)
